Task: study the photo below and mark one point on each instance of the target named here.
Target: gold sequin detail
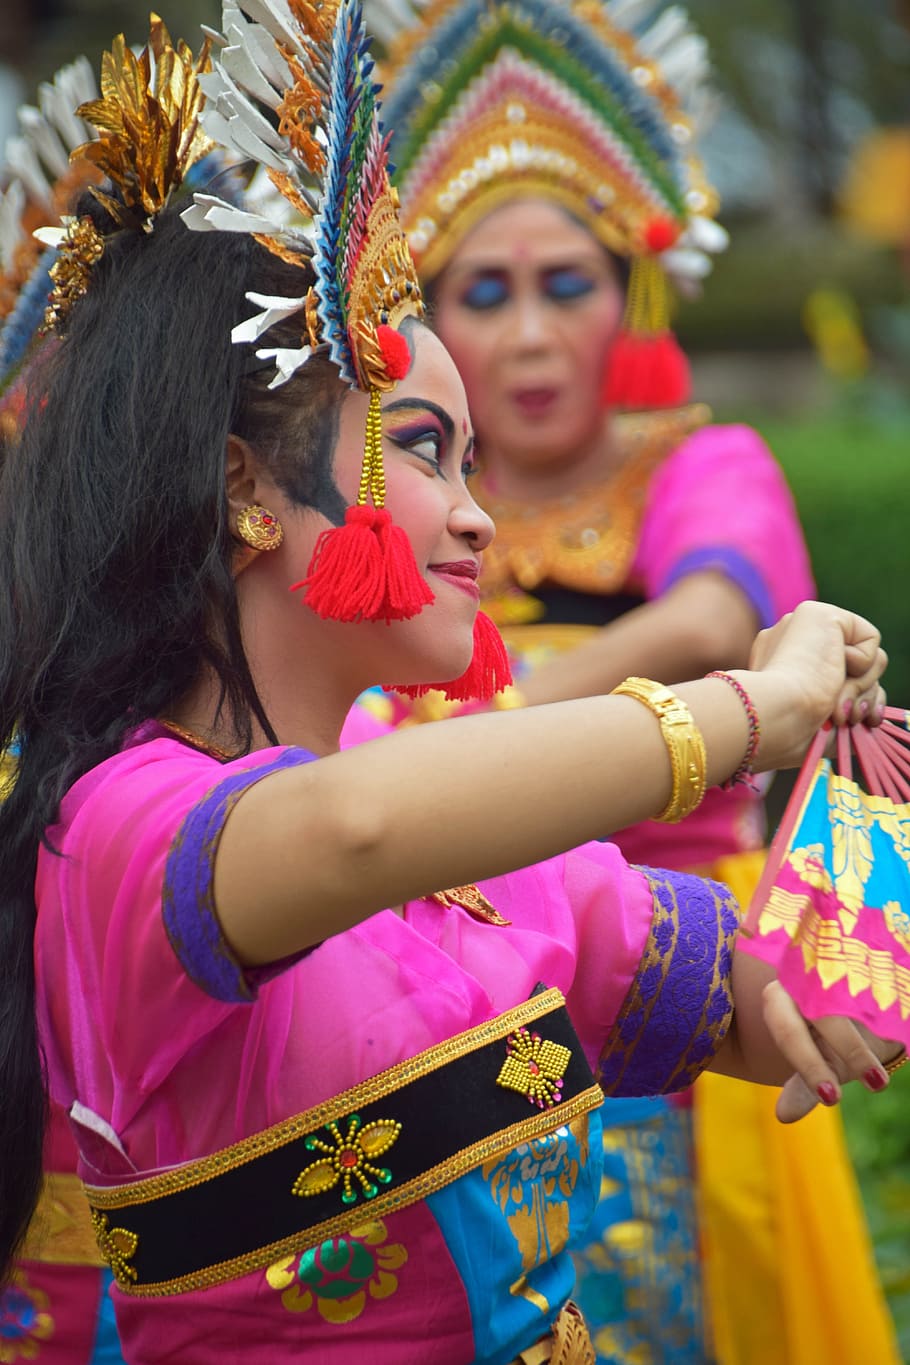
(472, 900)
(348, 1158)
(585, 540)
(80, 250)
(118, 1246)
(534, 1067)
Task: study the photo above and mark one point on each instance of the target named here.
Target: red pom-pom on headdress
(660, 234)
(395, 352)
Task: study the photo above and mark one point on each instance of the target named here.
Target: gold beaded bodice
(584, 540)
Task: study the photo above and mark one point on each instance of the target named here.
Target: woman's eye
(567, 284)
(468, 470)
(486, 292)
(426, 447)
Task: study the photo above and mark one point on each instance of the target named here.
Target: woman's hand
(819, 662)
(824, 1055)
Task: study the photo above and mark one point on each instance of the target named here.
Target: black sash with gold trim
(370, 1151)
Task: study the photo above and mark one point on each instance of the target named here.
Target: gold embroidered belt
(370, 1151)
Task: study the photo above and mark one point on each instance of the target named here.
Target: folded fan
(831, 913)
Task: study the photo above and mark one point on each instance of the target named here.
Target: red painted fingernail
(846, 709)
(827, 1094)
(863, 709)
(875, 1079)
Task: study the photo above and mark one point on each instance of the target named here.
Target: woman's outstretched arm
(702, 622)
(310, 851)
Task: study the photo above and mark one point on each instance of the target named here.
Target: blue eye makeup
(561, 285)
(487, 291)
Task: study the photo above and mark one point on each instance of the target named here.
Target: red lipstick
(535, 403)
(461, 573)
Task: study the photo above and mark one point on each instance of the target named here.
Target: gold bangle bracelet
(896, 1062)
(684, 742)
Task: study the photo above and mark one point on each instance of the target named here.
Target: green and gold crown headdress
(595, 104)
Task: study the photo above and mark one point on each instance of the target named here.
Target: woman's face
(528, 307)
(428, 454)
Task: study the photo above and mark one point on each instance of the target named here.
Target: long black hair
(116, 591)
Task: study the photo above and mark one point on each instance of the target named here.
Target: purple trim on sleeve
(188, 903)
(736, 567)
(680, 1004)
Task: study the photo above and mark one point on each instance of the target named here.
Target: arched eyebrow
(426, 404)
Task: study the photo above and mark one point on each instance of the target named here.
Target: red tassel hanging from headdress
(365, 570)
(345, 579)
(488, 672)
(646, 367)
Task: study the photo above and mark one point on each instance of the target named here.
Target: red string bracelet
(744, 771)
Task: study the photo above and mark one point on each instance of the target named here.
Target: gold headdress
(592, 103)
(292, 87)
(41, 186)
(148, 138)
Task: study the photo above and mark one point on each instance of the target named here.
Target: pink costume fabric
(163, 1050)
(56, 1309)
(718, 502)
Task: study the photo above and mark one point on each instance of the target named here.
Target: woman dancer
(305, 1118)
(550, 184)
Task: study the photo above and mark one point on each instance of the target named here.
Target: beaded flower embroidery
(349, 1158)
(534, 1067)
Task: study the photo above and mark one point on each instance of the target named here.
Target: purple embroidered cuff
(680, 1004)
(735, 566)
(188, 903)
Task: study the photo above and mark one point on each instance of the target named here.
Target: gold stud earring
(259, 528)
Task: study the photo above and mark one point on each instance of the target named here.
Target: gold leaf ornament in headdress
(149, 136)
(148, 117)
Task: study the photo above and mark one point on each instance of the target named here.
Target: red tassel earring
(647, 367)
(365, 570)
(488, 672)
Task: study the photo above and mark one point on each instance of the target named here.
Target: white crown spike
(39, 155)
